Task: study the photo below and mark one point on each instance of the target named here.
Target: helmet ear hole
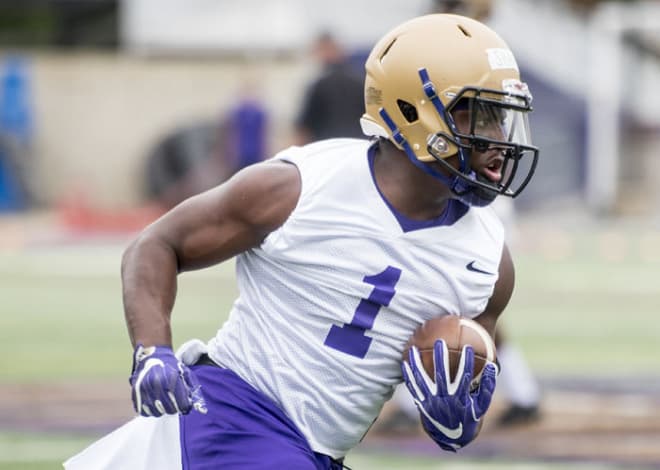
(464, 31)
(408, 110)
(387, 49)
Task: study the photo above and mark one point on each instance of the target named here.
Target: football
(456, 332)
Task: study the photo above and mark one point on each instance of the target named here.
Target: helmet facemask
(497, 123)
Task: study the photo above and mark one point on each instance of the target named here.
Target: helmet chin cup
(472, 195)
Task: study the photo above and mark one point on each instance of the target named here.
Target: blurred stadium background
(93, 92)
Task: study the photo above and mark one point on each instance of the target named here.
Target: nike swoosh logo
(450, 433)
(471, 267)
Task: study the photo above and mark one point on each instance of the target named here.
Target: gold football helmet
(420, 74)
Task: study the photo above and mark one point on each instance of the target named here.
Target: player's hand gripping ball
(449, 369)
(457, 332)
(162, 384)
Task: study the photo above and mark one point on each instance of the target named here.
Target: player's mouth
(492, 170)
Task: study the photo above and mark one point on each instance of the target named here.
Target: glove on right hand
(162, 384)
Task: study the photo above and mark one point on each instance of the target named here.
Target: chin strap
(432, 95)
(463, 191)
(401, 140)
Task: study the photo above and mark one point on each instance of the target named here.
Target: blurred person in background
(198, 156)
(480, 10)
(245, 129)
(16, 128)
(344, 247)
(185, 162)
(334, 101)
(519, 388)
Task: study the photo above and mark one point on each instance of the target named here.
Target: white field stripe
(39, 448)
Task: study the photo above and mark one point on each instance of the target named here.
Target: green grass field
(46, 452)
(62, 320)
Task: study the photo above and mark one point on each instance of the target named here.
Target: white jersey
(329, 299)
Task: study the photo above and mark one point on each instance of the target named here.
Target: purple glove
(162, 384)
(449, 411)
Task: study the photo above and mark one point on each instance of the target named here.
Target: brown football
(457, 332)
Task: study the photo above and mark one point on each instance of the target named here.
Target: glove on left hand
(162, 384)
(450, 413)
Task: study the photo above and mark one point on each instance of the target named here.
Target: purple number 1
(350, 337)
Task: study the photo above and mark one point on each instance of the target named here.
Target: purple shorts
(243, 429)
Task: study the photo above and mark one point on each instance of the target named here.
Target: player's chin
(486, 195)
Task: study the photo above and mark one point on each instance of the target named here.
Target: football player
(344, 247)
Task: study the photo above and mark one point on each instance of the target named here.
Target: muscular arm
(204, 230)
(501, 294)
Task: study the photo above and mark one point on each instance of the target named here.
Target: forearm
(149, 270)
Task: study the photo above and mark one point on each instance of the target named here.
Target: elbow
(148, 249)
(130, 255)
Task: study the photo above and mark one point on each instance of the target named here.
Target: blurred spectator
(334, 101)
(518, 387)
(181, 164)
(584, 6)
(477, 9)
(199, 156)
(15, 109)
(245, 130)
(11, 190)
(15, 133)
